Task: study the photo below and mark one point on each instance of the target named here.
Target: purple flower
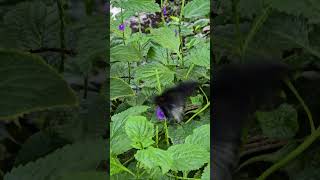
(160, 114)
(164, 10)
(121, 27)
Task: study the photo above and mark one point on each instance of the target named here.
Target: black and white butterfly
(172, 100)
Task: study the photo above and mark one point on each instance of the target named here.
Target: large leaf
(308, 9)
(206, 173)
(196, 8)
(200, 136)
(31, 25)
(92, 42)
(115, 166)
(151, 74)
(119, 142)
(154, 157)
(45, 143)
(81, 156)
(119, 88)
(125, 53)
(200, 55)
(167, 38)
(148, 6)
(187, 157)
(28, 84)
(140, 131)
(281, 123)
(178, 134)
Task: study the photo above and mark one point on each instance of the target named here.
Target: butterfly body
(172, 100)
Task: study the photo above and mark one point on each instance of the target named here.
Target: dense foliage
(282, 143)
(146, 58)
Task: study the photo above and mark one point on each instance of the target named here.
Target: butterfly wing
(172, 100)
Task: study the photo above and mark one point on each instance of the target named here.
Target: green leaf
(187, 157)
(178, 134)
(119, 142)
(31, 25)
(119, 88)
(308, 9)
(200, 136)
(151, 73)
(196, 100)
(281, 123)
(125, 53)
(154, 157)
(206, 173)
(95, 175)
(200, 55)
(91, 44)
(45, 143)
(196, 8)
(81, 156)
(116, 166)
(140, 131)
(167, 38)
(28, 84)
(147, 6)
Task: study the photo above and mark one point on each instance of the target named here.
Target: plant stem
(205, 107)
(62, 38)
(300, 99)
(166, 132)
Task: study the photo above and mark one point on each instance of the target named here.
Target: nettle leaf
(188, 157)
(29, 84)
(150, 74)
(147, 6)
(200, 55)
(159, 54)
(206, 173)
(81, 156)
(167, 38)
(119, 88)
(140, 131)
(178, 134)
(31, 25)
(299, 8)
(115, 166)
(200, 136)
(196, 8)
(44, 141)
(154, 157)
(281, 123)
(92, 42)
(119, 141)
(197, 100)
(125, 53)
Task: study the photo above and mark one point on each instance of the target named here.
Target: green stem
(205, 107)
(305, 107)
(293, 154)
(236, 20)
(129, 72)
(62, 37)
(166, 132)
(157, 136)
(158, 81)
(189, 70)
(256, 26)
